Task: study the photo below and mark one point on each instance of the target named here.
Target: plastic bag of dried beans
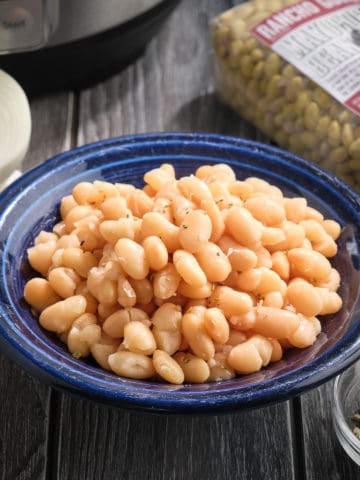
(292, 68)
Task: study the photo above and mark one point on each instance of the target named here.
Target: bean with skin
(193, 328)
(167, 340)
(132, 258)
(241, 189)
(277, 350)
(167, 192)
(180, 207)
(138, 338)
(272, 236)
(222, 197)
(310, 264)
(332, 228)
(189, 269)
(39, 294)
(143, 290)
(153, 223)
(243, 227)
(295, 209)
(269, 281)
(195, 293)
(263, 257)
(304, 297)
(243, 322)
(265, 209)
(275, 322)
(314, 230)
(162, 205)
(114, 208)
(326, 247)
(241, 258)
(75, 214)
(104, 311)
(115, 323)
(63, 281)
(214, 263)
(139, 203)
(168, 368)
(249, 280)
(85, 193)
(194, 189)
(167, 327)
(90, 334)
(263, 346)
(67, 203)
(155, 252)
(195, 369)
(273, 299)
(281, 265)
(216, 325)
(131, 365)
(126, 294)
(80, 337)
(217, 221)
(158, 177)
(113, 230)
(107, 189)
(167, 317)
(294, 237)
(332, 283)
(230, 301)
(59, 316)
(44, 237)
(331, 301)
(81, 262)
(40, 256)
(195, 231)
(220, 368)
(166, 282)
(304, 335)
(91, 302)
(245, 358)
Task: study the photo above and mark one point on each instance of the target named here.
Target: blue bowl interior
(31, 205)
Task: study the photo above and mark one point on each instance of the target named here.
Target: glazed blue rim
(223, 396)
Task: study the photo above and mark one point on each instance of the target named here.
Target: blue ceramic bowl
(31, 204)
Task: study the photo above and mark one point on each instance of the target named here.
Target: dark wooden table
(45, 434)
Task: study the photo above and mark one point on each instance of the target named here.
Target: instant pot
(49, 45)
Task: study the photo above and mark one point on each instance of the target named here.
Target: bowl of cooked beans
(183, 273)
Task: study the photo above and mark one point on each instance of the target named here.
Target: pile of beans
(187, 280)
(277, 98)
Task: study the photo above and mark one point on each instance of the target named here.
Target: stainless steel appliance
(51, 44)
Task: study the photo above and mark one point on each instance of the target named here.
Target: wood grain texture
(100, 442)
(170, 88)
(323, 454)
(24, 406)
(51, 127)
(25, 402)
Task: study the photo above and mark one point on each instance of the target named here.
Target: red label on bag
(321, 38)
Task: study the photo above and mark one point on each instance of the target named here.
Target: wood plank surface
(323, 454)
(100, 442)
(24, 401)
(170, 88)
